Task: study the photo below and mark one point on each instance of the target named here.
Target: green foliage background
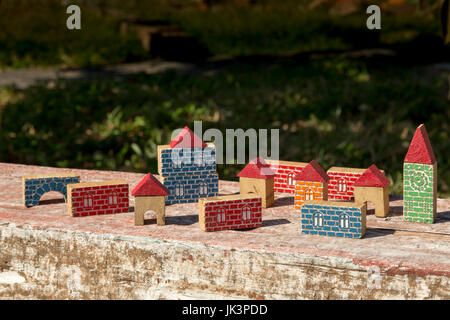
(333, 108)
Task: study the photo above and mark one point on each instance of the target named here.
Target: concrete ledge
(46, 254)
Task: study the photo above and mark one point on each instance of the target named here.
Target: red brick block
(236, 212)
(97, 198)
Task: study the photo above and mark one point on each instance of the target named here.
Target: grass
(339, 112)
(34, 33)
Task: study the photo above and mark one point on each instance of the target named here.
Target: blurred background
(105, 96)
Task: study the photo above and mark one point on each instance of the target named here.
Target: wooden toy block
(34, 186)
(420, 179)
(285, 172)
(311, 184)
(96, 198)
(373, 186)
(257, 177)
(342, 179)
(187, 139)
(334, 218)
(187, 167)
(237, 211)
(150, 194)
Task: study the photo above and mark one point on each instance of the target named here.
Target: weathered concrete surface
(47, 254)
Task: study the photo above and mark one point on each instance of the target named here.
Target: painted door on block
(221, 216)
(246, 213)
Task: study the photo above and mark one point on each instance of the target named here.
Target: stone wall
(52, 264)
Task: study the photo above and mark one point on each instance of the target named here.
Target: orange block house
(311, 184)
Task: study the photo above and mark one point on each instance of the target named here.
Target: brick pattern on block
(344, 179)
(418, 184)
(234, 211)
(36, 187)
(330, 217)
(284, 179)
(190, 175)
(304, 190)
(98, 200)
(190, 188)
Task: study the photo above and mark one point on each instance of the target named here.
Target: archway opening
(370, 207)
(149, 217)
(52, 197)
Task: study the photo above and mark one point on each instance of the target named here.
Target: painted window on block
(342, 185)
(179, 190)
(309, 194)
(246, 213)
(203, 189)
(344, 221)
(318, 220)
(112, 199)
(87, 200)
(290, 179)
(221, 215)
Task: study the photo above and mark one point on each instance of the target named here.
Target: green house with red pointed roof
(420, 179)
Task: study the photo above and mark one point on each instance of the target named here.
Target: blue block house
(334, 218)
(188, 168)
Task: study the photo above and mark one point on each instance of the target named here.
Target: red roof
(420, 150)
(150, 186)
(258, 169)
(312, 172)
(372, 177)
(187, 139)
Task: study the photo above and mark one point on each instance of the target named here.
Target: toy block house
(285, 172)
(237, 211)
(187, 167)
(334, 218)
(96, 198)
(150, 194)
(420, 179)
(311, 184)
(342, 179)
(257, 177)
(373, 186)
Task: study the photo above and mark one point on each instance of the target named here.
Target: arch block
(379, 196)
(35, 186)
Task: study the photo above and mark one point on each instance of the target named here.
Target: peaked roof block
(187, 139)
(312, 172)
(257, 169)
(420, 150)
(372, 177)
(150, 186)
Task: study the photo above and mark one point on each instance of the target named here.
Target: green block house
(420, 179)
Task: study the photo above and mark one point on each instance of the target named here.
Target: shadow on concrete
(283, 201)
(378, 232)
(51, 201)
(443, 217)
(182, 220)
(274, 222)
(395, 211)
